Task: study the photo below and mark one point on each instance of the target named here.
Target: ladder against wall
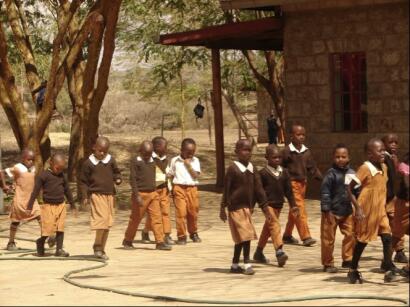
(251, 121)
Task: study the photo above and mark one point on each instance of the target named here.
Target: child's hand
(85, 203)
(222, 215)
(359, 214)
(118, 181)
(6, 189)
(295, 211)
(187, 161)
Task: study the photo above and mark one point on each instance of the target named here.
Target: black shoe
(309, 242)
(346, 264)
(259, 257)
(330, 269)
(385, 267)
(290, 240)
(127, 245)
(354, 277)
(195, 238)
(237, 270)
(391, 276)
(40, 248)
(145, 237)
(61, 253)
(11, 246)
(168, 240)
(51, 241)
(401, 257)
(281, 257)
(163, 247)
(181, 241)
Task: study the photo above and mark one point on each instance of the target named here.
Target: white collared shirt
(244, 168)
(95, 161)
(180, 173)
(275, 171)
(293, 148)
(373, 170)
(141, 159)
(154, 155)
(20, 168)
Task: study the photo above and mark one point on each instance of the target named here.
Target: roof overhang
(260, 34)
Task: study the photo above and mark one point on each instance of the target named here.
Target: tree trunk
(183, 106)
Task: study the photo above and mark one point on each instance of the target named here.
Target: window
(349, 91)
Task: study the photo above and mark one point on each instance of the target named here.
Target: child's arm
(289, 195)
(312, 168)
(326, 195)
(226, 195)
(133, 183)
(359, 212)
(116, 171)
(4, 186)
(84, 181)
(193, 168)
(69, 196)
(261, 196)
(39, 182)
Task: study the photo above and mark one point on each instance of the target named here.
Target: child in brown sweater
(276, 183)
(144, 198)
(98, 175)
(298, 159)
(241, 190)
(54, 185)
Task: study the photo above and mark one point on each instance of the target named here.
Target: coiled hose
(103, 263)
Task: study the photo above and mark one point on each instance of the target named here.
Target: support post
(218, 117)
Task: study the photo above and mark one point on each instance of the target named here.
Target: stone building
(347, 70)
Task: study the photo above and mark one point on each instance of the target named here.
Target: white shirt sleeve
(171, 168)
(9, 172)
(352, 177)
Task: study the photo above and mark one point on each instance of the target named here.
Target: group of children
(151, 181)
(363, 204)
(359, 203)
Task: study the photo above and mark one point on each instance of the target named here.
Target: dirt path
(196, 270)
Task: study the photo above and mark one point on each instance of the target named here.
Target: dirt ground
(199, 271)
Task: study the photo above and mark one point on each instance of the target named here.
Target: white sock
(235, 265)
(247, 265)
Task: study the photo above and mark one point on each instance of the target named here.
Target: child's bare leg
(11, 245)
(51, 239)
(104, 239)
(98, 244)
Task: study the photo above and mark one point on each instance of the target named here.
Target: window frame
(361, 91)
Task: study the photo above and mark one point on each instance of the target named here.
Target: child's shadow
(311, 270)
(135, 248)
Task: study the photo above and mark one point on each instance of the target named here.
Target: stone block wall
(381, 31)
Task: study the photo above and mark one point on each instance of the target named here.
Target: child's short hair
(187, 141)
(158, 139)
(271, 149)
(340, 146)
(371, 142)
(102, 140)
(240, 143)
(56, 156)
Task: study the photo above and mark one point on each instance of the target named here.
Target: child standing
(401, 217)
(372, 220)
(98, 175)
(391, 144)
(337, 210)
(242, 189)
(144, 198)
(54, 185)
(298, 159)
(276, 183)
(184, 171)
(23, 175)
(161, 169)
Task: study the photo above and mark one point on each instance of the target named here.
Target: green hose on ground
(103, 263)
(67, 278)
